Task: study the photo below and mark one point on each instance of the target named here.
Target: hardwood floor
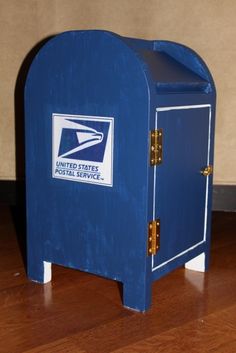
(80, 313)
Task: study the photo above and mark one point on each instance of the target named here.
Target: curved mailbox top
(172, 67)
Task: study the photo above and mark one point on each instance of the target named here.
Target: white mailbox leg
(47, 276)
(198, 263)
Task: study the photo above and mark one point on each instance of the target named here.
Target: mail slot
(119, 159)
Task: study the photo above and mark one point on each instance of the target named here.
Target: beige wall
(208, 26)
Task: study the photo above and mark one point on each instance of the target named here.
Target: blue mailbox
(119, 154)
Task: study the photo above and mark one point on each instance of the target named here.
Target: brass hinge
(153, 237)
(156, 147)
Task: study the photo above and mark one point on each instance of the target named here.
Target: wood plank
(214, 333)
(82, 313)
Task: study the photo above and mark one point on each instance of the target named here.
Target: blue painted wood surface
(100, 229)
(181, 188)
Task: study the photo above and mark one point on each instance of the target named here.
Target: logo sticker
(82, 148)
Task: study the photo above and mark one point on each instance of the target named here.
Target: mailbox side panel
(89, 79)
(171, 98)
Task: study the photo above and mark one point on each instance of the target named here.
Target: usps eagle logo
(82, 148)
(83, 140)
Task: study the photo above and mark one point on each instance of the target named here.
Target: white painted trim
(178, 255)
(180, 107)
(183, 107)
(207, 179)
(47, 274)
(154, 183)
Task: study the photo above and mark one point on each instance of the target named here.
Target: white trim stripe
(183, 107)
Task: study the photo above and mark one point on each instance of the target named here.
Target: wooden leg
(199, 263)
(136, 295)
(39, 271)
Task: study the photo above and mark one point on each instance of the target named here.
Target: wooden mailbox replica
(119, 154)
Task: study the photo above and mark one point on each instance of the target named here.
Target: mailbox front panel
(180, 190)
(86, 173)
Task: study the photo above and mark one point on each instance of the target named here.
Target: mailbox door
(180, 190)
